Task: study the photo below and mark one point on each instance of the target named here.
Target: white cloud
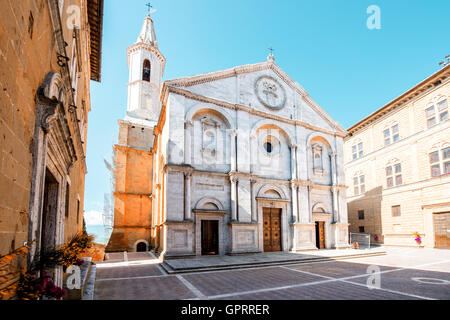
(93, 218)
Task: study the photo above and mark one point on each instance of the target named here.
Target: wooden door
(441, 230)
(320, 234)
(210, 237)
(272, 229)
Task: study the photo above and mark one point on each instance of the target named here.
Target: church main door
(272, 229)
(210, 237)
(320, 234)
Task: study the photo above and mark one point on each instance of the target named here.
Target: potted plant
(417, 238)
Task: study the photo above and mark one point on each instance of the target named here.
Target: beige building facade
(397, 165)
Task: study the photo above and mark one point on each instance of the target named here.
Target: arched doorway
(141, 247)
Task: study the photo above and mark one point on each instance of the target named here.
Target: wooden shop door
(442, 230)
(210, 237)
(272, 229)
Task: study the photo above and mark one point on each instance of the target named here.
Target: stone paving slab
(115, 256)
(325, 291)
(162, 288)
(205, 263)
(215, 283)
(138, 256)
(127, 271)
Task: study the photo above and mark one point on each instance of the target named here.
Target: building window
(146, 71)
(357, 151)
(391, 135)
(396, 211)
(361, 214)
(78, 210)
(67, 200)
(268, 147)
(361, 230)
(271, 145)
(359, 185)
(394, 175)
(440, 162)
(437, 113)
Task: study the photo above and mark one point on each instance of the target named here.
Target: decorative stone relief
(270, 93)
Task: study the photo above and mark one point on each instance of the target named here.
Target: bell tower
(146, 68)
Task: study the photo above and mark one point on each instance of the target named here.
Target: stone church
(235, 161)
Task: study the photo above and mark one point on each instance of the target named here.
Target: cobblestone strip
(133, 278)
(191, 287)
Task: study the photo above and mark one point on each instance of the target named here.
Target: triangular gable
(222, 75)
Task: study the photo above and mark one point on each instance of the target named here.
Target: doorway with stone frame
(278, 225)
(272, 229)
(322, 230)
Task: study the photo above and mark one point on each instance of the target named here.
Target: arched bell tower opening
(146, 70)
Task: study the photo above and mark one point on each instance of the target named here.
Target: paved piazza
(405, 274)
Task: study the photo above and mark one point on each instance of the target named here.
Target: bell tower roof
(148, 35)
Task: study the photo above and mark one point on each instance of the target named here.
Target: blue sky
(324, 45)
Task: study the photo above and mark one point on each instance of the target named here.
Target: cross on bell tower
(271, 57)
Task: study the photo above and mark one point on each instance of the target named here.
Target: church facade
(243, 160)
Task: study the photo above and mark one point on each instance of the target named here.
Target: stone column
(334, 173)
(293, 162)
(334, 192)
(187, 196)
(233, 199)
(253, 195)
(309, 205)
(294, 202)
(187, 142)
(253, 152)
(233, 134)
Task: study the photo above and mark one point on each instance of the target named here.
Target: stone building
(397, 165)
(243, 161)
(49, 52)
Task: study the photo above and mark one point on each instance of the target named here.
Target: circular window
(271, 145)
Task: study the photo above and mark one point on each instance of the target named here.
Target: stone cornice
(250, 176)
(141, 45)
(137, 195)
(416, 92)
(130, 149)
(188, 94)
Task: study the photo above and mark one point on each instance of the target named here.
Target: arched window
(146, 71)
(141, 247)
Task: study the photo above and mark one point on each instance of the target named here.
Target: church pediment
(262, 86)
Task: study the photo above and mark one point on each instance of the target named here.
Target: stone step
(170, 270)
